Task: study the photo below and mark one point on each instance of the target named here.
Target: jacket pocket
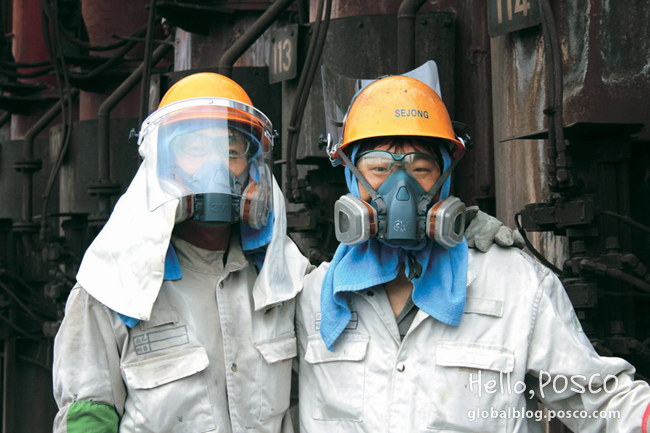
(160, 316)
(155, 385)
(338, 377)
(470, 378)
(275, 386)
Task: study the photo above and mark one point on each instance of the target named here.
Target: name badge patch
(160, 340)
(352, 324)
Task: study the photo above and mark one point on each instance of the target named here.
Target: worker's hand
(482, 230)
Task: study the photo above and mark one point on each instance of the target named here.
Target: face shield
(339, 93)
(208, 146)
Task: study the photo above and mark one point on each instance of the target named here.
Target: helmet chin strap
(428, 198)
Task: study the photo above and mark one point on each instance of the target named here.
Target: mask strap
(415, 268)
(366, 185)
(428, 198)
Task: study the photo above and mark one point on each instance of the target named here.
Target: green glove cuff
(92, 417)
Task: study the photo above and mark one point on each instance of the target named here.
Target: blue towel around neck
(254, 242)
(440, 291)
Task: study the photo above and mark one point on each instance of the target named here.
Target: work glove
(482, 230)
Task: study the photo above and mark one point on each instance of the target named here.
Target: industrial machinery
(551, 96)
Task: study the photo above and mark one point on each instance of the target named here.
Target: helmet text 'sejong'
(405, 112)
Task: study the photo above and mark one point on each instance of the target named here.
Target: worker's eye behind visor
(213, 140)
(206, 148)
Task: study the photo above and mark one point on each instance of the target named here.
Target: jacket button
(233, 367)
(371, 293)
(401, 367)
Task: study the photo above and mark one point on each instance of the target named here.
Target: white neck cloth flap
(124, 266)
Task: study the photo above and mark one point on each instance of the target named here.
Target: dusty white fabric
(205, 360)
(518, 321)
(124, 266)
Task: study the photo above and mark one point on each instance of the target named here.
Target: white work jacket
(519, 326)
(206, 361)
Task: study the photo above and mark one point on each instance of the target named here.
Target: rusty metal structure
(554, 95)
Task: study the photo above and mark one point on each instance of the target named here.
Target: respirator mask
(401, 213)
(212, 154)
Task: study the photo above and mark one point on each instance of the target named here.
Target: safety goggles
(211, 140)
(379, 164)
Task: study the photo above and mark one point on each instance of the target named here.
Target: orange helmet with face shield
(399, 106)
(207, 138)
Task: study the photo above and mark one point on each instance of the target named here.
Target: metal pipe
(406, 34)
(144, 89)
(106, 65)
(4, 10)
(533, 250)
(303, 12)
(29, 165)
(4, 119)
(12, 325)
(555, 91)
(251, 35)
(8, 384)
(550, 102)
(105, 188)
(21, 303)
(627, 220)
(28, 185)
(30, 135)
(590, 266)
(294, 191)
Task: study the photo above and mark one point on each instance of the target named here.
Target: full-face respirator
(214, 155)
(400, 212)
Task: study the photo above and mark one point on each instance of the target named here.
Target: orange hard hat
(205, 85)
(399, 106)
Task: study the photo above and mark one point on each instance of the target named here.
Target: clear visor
(339, 93)
(206, 145)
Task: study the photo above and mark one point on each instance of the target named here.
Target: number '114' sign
(505, 16)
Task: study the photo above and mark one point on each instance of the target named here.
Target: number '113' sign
(283, 54)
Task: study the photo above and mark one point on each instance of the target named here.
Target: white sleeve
(560, 354)
(87, 354)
